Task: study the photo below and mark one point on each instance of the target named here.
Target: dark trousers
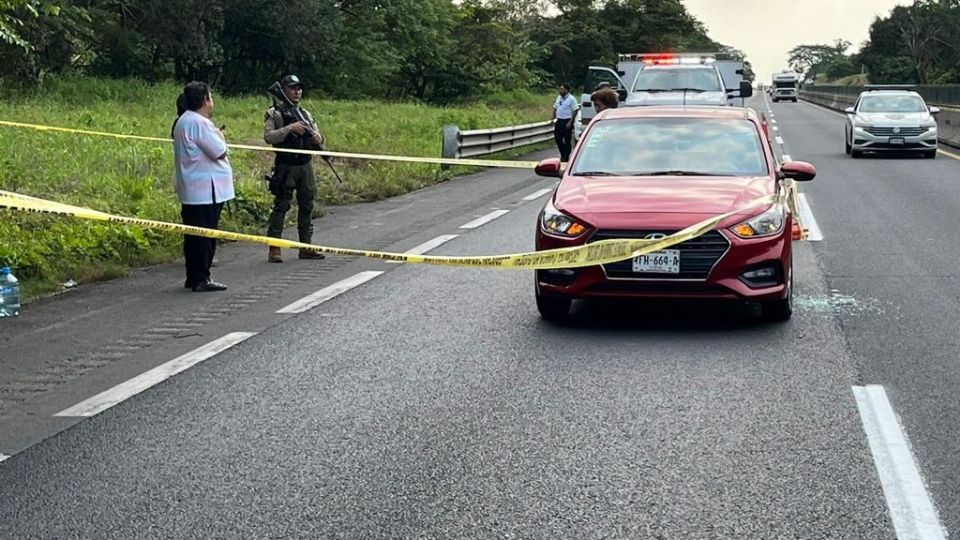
(292, 179)
(564, 137)
(197, 250)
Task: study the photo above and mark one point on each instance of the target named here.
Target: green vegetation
(135, 178)
(435, 51)
(913, 44)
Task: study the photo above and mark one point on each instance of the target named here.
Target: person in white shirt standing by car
(564, 108)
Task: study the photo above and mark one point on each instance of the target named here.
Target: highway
(360, 399)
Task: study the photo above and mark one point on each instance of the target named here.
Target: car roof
(889, 93)
(690, 111)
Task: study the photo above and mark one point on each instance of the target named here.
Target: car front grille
(697, 255)
(888, 131)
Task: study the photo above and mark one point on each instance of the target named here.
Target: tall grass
(135, 178)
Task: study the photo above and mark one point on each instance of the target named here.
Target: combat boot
(275, 255)
(307, 254)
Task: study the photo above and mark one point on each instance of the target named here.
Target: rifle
(276, 91)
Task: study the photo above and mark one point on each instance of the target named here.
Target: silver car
(886, 120)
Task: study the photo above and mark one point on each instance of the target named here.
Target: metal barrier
(478, 142)
(937, 94)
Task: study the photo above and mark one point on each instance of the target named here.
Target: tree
(12, 14)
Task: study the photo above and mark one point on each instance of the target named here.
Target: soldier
(292, 171)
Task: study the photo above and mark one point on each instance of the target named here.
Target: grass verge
(135, 178)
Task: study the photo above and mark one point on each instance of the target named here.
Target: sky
(765, 30)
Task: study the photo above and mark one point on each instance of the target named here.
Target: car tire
(855, 153)
(846, 146)
(932, 154)
(553, 308)
(794, 100)
(779, 310)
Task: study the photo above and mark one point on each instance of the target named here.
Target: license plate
(896, 140)
(658, 262)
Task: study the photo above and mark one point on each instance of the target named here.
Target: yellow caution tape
(601, 252)
(323, 153)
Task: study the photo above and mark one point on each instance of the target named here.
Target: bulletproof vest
(293, 141)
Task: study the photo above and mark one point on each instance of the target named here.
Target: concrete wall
(948, 121)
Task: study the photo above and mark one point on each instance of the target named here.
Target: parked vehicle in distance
(890, 119)
(647, 172)
(784, 87)
(667, 79)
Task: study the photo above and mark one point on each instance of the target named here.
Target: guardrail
(935, 94)
(839, 98)
(479, 142)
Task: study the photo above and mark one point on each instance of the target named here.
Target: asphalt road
(434, 403)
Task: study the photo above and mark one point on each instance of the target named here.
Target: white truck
(784, 86)
(667, 79)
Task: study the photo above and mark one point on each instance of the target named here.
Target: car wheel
(855, 153)
(553, 308)
(846, 145)
(779, 310)
(794, 100)
(932, 154)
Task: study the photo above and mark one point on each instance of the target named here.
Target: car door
(596, 76)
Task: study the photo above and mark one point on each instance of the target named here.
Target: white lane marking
(814, 234)
(775, 128)
(125, 390)
(482, 220)
(427, 246)
(537, 194)
(313, 300)
(772, 121)
(4, 457)
(780, 140)
(911, 510)
(786, 157)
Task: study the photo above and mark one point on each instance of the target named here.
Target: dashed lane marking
(537, 194)
(483, 220)
(814, 234)
(911, 510)
(311, 301)
(427, 246)
(4, 457)
(780, 141)
(125, 390)
(775, 128)
(786, 157)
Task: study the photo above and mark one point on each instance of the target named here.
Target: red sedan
(647, 172)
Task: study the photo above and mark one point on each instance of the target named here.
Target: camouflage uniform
(291, 172)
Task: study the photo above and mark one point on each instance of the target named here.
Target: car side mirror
(549, 167)
(801, 171)
(622, 94)
(934, 110)
(849, 110)
(746, 89)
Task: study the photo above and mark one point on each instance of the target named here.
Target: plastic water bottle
(9, 294)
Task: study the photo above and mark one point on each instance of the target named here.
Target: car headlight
(553, 221)
(766, 224)
(860, 128)
(930, 126)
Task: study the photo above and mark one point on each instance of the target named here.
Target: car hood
(894, 119)
(641, 98)
(708, 195)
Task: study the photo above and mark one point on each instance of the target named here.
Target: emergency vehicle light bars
(669, 58)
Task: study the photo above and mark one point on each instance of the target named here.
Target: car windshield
(665, 79)
(892, 104)
(671, 146)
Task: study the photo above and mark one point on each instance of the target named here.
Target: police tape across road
(601, 252)
(506, 164)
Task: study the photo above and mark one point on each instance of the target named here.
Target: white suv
(890, 119)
